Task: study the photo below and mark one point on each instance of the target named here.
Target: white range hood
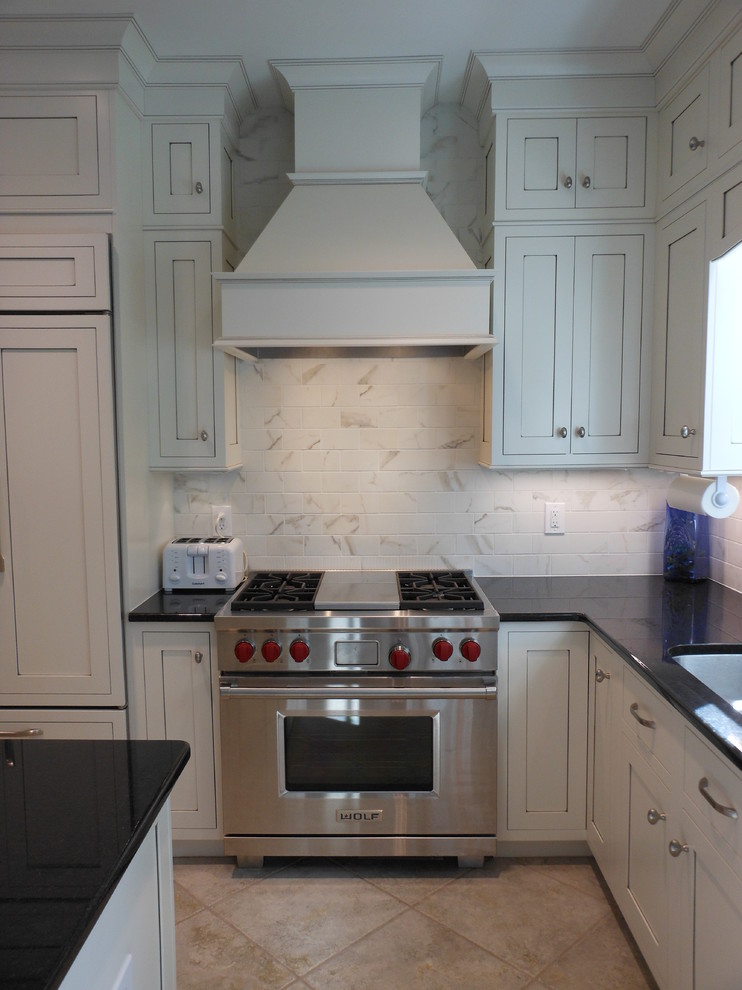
(357, 257)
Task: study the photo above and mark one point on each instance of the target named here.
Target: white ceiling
(259, 30)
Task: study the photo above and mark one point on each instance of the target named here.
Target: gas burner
(438, 591)
(278, 591)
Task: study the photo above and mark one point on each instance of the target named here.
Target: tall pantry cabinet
(61, 646)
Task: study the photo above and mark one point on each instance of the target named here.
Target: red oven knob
(399, 657)
(244, 650)
(442, 649)
(299, 650)
(271, 650)
(470, 650)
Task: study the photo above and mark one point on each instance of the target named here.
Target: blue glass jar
(686, 555)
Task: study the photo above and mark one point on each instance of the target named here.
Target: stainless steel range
(358, 715)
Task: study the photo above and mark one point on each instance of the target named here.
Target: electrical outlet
(553, 517)
(221, 518)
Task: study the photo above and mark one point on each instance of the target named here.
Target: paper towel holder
(721, 496)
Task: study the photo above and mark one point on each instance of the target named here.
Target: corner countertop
(74, 814)
(642, 617)
(181, 606)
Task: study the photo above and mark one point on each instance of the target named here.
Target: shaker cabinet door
(547, 692)
(178, 692)
(58, 504)
(183, 306)
(680, 342)
(607, 346)
(611, 158)
(540, 163)
(539, 274)
(181, 177)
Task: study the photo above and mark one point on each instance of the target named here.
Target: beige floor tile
(306, 913)
(602, 960)
(210, 880)
(524, 916)
(415, 953)
(579, 873)
(408, 879)
(185, 903)
(212, 955)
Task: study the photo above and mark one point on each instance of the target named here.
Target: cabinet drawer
(684, 126)
(54, 272)
(706, 779)
(649, 722)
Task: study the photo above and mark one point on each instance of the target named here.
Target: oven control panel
(412, 651)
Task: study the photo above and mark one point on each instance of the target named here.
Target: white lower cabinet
(543, 690)
(133, 942)
(174, 695)
(606, 670)
(63, 723)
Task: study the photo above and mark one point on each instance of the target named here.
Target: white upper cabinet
(696, 413)
(194, 401)
(684, 136)
(577, 164)
(191, 177)
(679, 353)
(54, 152)
(729, 106)
(181, 173)
(567, 385)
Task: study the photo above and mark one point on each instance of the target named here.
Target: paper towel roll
(701, 495)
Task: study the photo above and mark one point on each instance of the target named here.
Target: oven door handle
(483, 690)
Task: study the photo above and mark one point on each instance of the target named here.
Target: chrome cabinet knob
(586, 182)
(695, 143)
(198, 656)
(687, 431)
(654, 816)
(568, 182)
(199, 187)
(562, 432)
(204, 435)
(580, 432)
(601, 675)
(676, 848)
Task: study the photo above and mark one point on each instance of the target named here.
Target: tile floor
(414, 924)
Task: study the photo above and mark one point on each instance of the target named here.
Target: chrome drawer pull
(648, 723)
(723, 809)
(20, 733)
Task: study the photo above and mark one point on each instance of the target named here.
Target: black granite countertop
(181, 606)
(74, 813)
(643, 618)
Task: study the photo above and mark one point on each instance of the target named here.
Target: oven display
(348, 752)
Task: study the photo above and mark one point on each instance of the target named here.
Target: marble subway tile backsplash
(373, 463)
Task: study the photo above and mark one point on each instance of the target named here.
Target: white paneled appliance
(61, 653)
(358, 715)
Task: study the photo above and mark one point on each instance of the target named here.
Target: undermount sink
(718, 667)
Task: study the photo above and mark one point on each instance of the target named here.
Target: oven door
(375, 756)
